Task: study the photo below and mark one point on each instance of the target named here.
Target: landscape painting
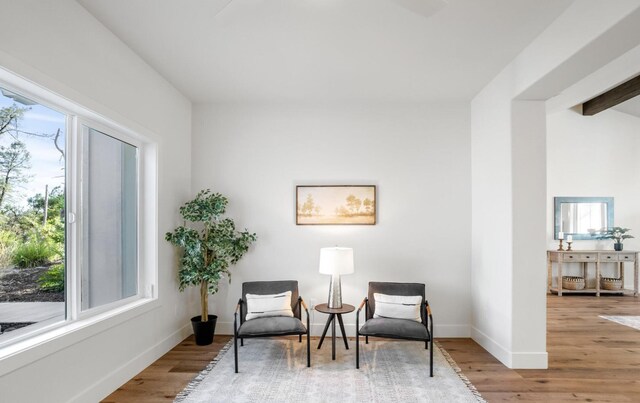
(336, 205)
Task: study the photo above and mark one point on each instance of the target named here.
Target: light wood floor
(590, 360)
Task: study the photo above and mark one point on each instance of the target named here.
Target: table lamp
(336, 261)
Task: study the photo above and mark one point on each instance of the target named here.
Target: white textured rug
(631, 321)
(274, 370)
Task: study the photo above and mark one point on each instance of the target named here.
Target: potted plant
(207, 253)
(618, 234)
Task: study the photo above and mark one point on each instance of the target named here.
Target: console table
(584, 257)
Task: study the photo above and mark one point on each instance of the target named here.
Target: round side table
(333, 313)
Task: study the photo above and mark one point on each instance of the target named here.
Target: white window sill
(24, 352)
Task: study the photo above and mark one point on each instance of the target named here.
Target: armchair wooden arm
(428, 316)
(304, 304)
(364, 301)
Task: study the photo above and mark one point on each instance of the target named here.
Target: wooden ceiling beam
(613, 97)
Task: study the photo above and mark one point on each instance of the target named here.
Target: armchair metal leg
(431, 358)
(235, 350)
(358, 336)
(308, 348)
(366, 339)
(431, 349)
(235, 341)
(299, 338)
(242, 341)
(357, 349)
(308, 341)
(426, 344)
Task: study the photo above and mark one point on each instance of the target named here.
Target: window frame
(53, 323)
(75, 319)
(75, 250)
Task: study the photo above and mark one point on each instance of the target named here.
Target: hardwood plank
(556, 397)
(590, 358)
(165, 378)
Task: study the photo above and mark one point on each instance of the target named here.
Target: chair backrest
(406, 289)
(271, 287)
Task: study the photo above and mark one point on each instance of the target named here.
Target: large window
(32, 208)
(70, 223)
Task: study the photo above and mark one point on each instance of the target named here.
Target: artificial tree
(209, 249)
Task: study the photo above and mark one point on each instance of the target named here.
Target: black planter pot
(203, 331)
(617, 246)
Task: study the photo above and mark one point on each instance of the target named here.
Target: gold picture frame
(336, 204)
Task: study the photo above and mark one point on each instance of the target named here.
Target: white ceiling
(325, 50)
(631, 106)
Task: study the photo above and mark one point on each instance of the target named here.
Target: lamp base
(335, 292)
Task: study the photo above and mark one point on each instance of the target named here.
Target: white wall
(58, 45)
(417, 155)
(508, 134)
(508, 187)
(595, 156)
(528, 183)
(491, 275)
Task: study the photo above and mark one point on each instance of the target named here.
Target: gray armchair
(274, 325)
(395, 328)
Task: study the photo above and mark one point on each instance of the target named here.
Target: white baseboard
(116, 378)
(530, 360)
(513, 360)
(317, 328)
(494, 348)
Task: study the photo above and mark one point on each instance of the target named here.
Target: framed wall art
(336, 205)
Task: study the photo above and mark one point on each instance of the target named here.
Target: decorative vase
(617, 246)
(203, 331)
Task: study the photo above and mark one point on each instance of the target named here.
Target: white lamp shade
(336, 260)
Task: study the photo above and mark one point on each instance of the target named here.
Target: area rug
(274, 370)
(631, 321)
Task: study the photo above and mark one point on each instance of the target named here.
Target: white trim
(147, 177)
(82, 128)
(48, 97)
(29, 91)
(514, 360)
(108, 307)
(73, 256)
(114, 379)
(148, 218)
(530, 360)
(494, 348)
(32, 330)
(24, 352)
(125, 136)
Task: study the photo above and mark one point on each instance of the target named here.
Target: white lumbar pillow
(260, 306)
(398, 306)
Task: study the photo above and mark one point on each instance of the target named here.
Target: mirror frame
(557, 201)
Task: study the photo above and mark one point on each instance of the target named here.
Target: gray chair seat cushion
(273, 325)
(401, 328)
